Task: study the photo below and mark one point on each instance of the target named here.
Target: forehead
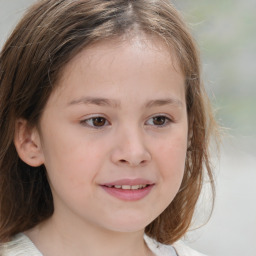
(131, 46)
(121, 61)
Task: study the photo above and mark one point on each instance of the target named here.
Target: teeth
(135, 187)
(128, 187)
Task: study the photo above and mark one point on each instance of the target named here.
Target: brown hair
(51, 33)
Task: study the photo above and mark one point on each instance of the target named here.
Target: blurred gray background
(226, 34)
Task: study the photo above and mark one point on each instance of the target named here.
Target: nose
(130, 149)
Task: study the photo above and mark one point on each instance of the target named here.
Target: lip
(130, 182)
(128, 194)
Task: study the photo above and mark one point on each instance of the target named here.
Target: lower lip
(128, 194)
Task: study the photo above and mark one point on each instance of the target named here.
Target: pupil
(99, 121)
(159, 120)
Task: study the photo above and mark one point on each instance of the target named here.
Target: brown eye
(98, 121)
(159, 120)
(95, 122)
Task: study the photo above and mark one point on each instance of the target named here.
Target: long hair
(50, 34)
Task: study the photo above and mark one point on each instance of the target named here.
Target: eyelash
(166, 120)
(89, 122)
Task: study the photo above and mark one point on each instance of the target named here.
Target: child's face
(117, 118)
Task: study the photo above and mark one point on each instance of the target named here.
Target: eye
(95, 122)
(160, 120)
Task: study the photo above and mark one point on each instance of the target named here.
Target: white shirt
(21, 245)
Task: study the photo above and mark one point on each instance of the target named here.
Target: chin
(130, 224)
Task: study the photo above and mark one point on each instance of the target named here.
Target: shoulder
(159, 249)
(20, 245)
(177, 249)
(183, 250)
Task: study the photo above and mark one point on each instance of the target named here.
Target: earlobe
(28, 144)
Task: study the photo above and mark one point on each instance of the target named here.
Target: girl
(104, 130)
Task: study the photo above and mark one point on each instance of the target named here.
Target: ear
(28, 144)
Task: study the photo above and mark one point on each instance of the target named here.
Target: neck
(63, 238)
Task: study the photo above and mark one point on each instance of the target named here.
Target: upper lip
(130, 182)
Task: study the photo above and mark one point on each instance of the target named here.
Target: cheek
(171, 157)
(170, 162)
(73, 162)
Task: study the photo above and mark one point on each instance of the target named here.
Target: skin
(136, 90)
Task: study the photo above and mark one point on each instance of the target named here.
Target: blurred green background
(226, 34)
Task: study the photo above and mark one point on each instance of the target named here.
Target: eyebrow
(95, 101)
(117, 104)
(163, 102)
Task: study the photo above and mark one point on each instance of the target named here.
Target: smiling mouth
(129, 187)
(132, 192)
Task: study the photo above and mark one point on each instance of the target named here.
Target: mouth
(129, 190)
(128, 187)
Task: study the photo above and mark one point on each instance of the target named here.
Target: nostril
(132, 163)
